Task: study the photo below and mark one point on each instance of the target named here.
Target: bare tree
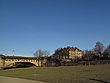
(99, 49)
(107, 52)
(88, 55)
(41, 53)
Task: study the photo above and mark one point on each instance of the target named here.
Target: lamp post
(13, 51)
(0, 51)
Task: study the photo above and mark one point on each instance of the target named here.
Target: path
(17, 80)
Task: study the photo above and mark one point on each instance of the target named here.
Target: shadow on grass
(103, 81)
(20, 65)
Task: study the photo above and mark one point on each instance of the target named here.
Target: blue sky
(27, 25)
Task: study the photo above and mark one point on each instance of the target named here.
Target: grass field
(65, 74)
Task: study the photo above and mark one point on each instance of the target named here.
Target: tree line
(98, 52)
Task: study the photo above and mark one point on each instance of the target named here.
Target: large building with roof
(67, 53)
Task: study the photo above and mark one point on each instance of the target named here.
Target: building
(67, 54)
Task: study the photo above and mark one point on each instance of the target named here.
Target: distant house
(67, 54)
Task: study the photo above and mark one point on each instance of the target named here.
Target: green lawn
(65, 74)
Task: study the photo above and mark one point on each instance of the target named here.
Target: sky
(29, 25)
